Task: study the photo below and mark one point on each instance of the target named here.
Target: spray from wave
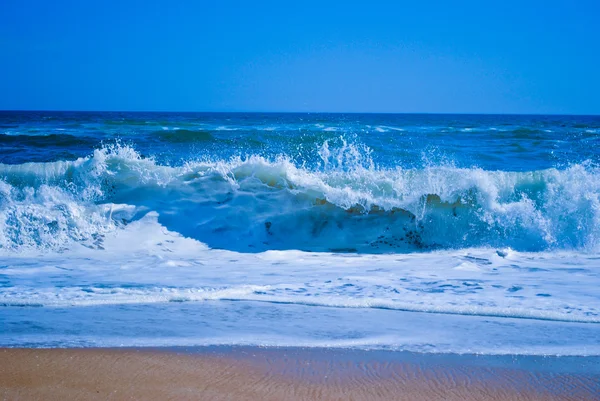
(255, 203)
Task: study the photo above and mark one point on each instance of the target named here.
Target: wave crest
(345, 204)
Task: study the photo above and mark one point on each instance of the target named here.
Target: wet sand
(252, 373)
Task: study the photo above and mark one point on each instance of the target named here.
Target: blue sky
(338, 56)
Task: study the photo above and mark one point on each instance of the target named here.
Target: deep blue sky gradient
(338, 56)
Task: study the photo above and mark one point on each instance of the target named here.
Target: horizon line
(300, 112)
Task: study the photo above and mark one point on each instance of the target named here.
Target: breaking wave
(254, 203)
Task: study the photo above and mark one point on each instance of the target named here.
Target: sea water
(430, 233)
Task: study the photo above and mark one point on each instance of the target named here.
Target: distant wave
(253, 203)
(55, 140)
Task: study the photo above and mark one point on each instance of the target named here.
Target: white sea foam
(143, 265)
(167, 267)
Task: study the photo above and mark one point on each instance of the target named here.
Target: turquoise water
(224, 227)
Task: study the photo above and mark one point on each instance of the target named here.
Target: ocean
(426, 233)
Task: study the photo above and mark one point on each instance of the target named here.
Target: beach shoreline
(272, 373)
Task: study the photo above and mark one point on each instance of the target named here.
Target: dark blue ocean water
(491, 142)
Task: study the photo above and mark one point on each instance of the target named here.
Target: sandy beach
(250, 373)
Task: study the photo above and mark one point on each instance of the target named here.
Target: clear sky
(339, 56)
